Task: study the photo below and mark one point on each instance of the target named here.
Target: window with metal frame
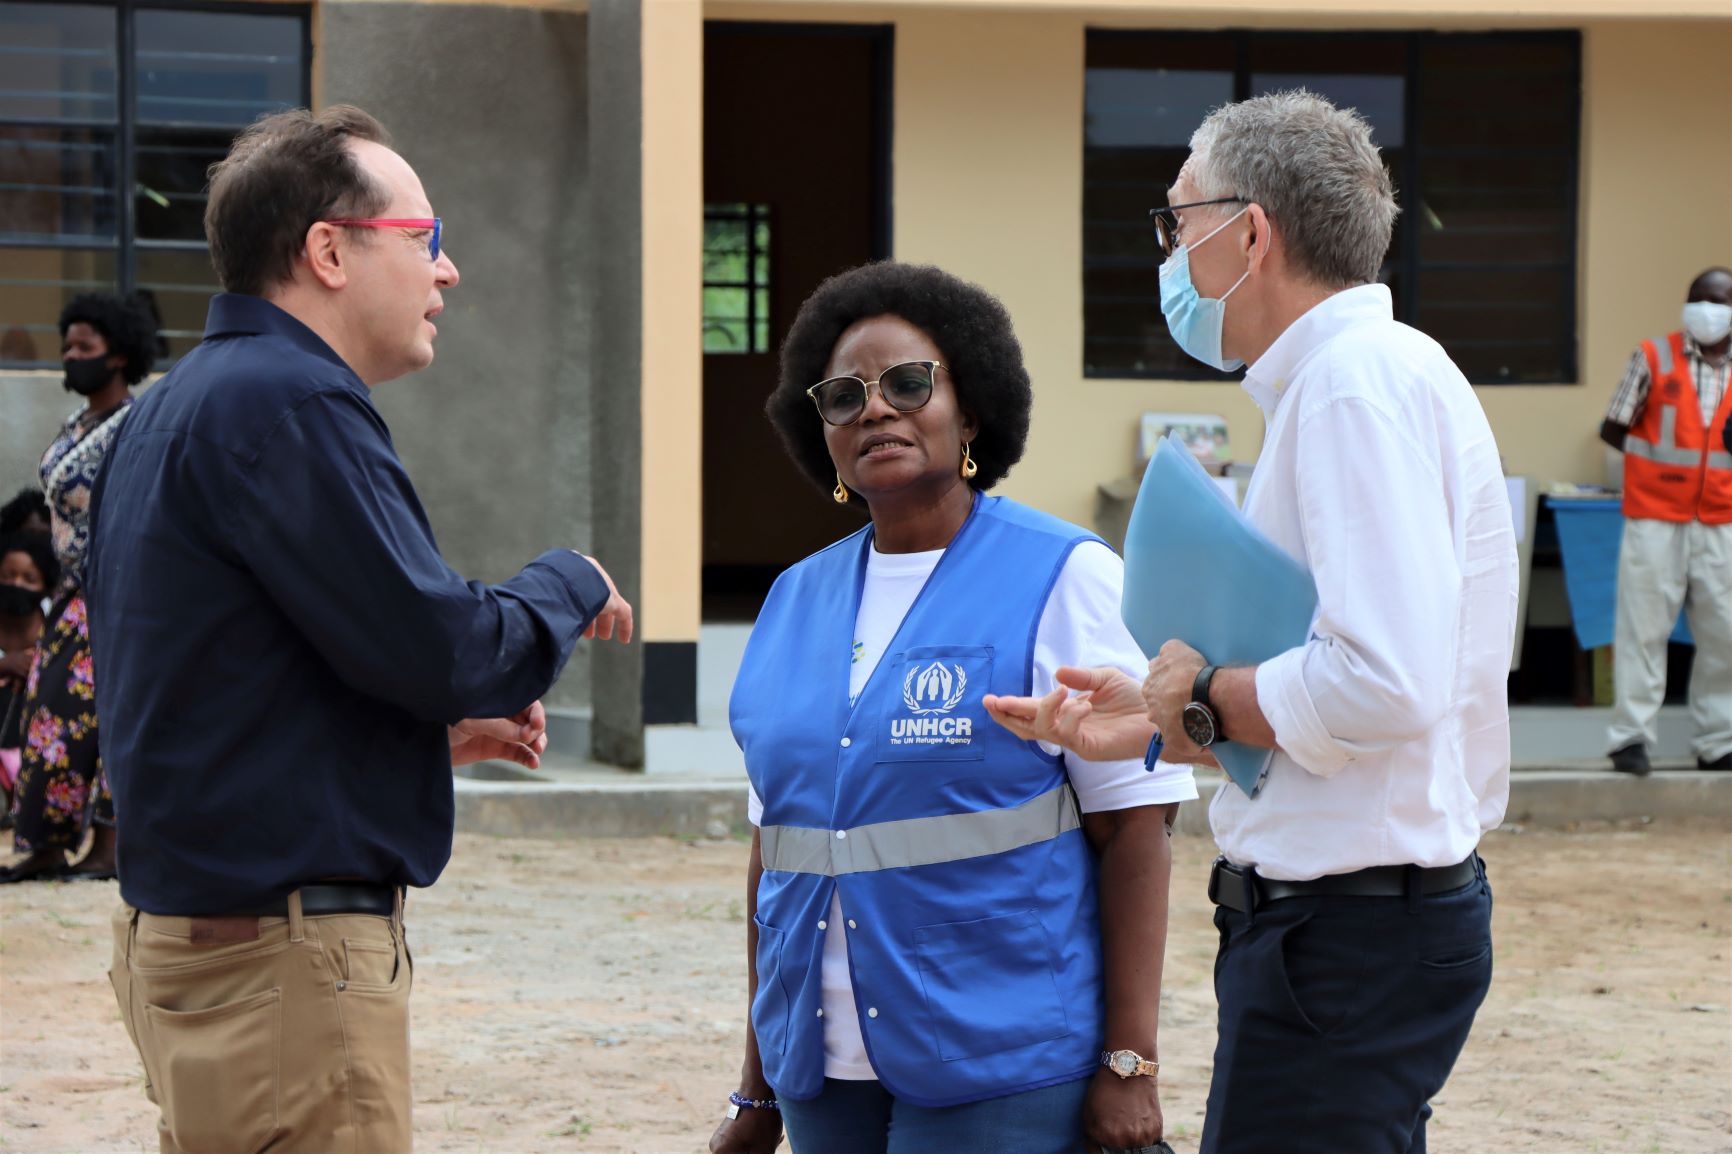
(736, 278)
(1481, 132)
(110, 115)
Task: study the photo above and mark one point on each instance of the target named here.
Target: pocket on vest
(990, 985)
(770, 1007)
(937, 711)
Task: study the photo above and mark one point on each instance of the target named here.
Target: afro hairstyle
(969, 325)
(125, 323)
(39, 547)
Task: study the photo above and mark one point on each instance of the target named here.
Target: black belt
(328, 898)
(1244, 889)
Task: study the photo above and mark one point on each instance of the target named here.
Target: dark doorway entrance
(796, 188)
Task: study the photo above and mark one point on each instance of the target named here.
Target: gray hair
(1313, 169)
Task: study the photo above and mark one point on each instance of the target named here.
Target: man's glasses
(421, 225)
(905, 387)
(1167, 220)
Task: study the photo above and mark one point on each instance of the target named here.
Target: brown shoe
(1632, 759)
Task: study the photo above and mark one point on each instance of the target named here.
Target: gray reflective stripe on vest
(1667, 451)
(1663, 346)
(1718, 460)
(919, 841)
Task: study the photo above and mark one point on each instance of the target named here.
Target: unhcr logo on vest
(930, 693)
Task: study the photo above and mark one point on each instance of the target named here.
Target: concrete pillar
(489, 104)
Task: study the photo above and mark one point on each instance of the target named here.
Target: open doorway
(796, 189)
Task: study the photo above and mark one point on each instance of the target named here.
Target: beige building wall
(673, 245)
(988, 183)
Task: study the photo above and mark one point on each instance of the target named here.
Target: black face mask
(18, 602)
(88, 376)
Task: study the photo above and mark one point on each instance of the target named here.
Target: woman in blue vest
(956, 936)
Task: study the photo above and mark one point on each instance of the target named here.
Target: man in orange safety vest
(1672, 418)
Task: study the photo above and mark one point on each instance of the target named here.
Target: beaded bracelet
(744, 1102)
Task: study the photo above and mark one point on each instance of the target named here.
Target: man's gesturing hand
(615, 616)
(522, 738)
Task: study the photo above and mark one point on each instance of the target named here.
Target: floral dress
(61, 786)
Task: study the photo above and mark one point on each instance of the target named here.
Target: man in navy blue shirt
(286, 663)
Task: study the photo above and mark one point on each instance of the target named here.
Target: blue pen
(1154, 753)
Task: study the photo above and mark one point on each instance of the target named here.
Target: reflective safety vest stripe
(1675, 469)
(920, 841)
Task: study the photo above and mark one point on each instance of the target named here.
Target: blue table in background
(1589, 533)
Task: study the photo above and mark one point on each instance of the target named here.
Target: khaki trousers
(288, 1035)
(1664, 566)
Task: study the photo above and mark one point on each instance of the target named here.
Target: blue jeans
(865, 1118)
(1341, 1018)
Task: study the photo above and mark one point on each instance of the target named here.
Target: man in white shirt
(1354, 914)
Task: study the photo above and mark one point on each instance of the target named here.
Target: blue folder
(1198, 571)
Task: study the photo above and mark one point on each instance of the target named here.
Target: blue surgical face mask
(1193, 319)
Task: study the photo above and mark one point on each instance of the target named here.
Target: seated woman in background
(28, 571)
(108, 344)
(934, 948)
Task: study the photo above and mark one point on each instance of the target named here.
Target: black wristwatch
(1201, 724)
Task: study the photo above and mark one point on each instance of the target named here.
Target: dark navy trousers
(1341, 1017)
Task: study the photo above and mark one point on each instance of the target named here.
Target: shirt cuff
(1286, 704)
(584, 581)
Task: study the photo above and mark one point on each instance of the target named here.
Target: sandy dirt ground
(587, 996)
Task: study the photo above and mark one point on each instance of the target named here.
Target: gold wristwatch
(1129, 1064)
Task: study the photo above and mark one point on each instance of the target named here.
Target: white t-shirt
(1080, 626)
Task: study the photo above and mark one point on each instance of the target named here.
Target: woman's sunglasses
(905, 387)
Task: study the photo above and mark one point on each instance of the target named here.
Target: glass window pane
(57, 183)
(1149, 108)
(736, 262)
(182, 282)
(57, 62)
(724, 302)
(1482, 140)
(1144, 95)
(724, 336)
(217, 68)
(170, 194)
(35, 284)
(1496, 204)
(1352, 70)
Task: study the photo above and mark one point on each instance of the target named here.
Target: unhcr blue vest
(965, 881)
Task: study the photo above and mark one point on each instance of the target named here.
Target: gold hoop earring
(840, 494)
(969, 468)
